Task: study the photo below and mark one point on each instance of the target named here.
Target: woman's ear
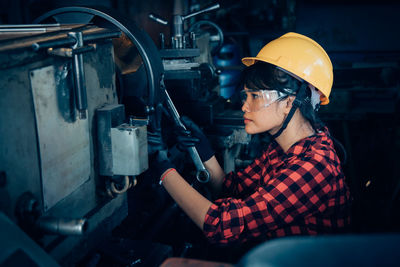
(288, 103)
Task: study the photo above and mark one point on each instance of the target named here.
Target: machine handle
(207, 9)
(79, 75)
(158, 19)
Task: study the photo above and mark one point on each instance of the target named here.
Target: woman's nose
(245, 107)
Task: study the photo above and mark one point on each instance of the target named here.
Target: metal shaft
(207, 9)
(202, 174)
(62, 226)
(79, 76)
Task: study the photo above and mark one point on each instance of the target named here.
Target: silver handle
(158, 19)
(202, 175)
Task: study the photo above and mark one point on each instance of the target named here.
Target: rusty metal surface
(63, 145)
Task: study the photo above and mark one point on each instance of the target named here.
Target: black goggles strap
(298, 101)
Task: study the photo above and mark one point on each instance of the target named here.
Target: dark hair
(265, 76)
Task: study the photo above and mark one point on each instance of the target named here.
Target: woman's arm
(191, 201)
(217, 175)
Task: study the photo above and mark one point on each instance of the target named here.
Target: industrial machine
(68, 137)
(84, 88)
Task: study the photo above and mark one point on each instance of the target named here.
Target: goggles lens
(259, 99)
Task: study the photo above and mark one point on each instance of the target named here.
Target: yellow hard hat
(300, 56)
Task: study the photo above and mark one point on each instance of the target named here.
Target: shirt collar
(301, 146)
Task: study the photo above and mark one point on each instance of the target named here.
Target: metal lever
(177, 32)
(164, 22)
(158, 19)
(207, 9)
(79, 74)
(202, 175)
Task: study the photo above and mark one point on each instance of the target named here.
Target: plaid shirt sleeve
(287, 204)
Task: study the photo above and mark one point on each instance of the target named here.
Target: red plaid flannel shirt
(300, 192)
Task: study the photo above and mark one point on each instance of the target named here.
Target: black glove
(196, 138)
(185, 139)
(155, 142)
(154, 132)
(158, 154)
(159, 163)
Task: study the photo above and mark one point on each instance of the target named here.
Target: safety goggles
(259, 99)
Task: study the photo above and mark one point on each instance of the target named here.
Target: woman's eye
(255, 96)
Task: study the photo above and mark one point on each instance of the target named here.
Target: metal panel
(129, 149)
(63, 144)
(107, 117)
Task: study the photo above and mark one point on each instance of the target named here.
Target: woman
(297, 186)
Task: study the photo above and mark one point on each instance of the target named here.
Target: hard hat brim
(248, 61)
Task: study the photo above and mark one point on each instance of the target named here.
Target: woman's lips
(246, 120)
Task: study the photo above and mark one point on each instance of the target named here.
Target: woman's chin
(250, 130)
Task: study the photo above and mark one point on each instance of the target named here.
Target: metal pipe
(62, 226)
(70, 40)
(101, 35)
